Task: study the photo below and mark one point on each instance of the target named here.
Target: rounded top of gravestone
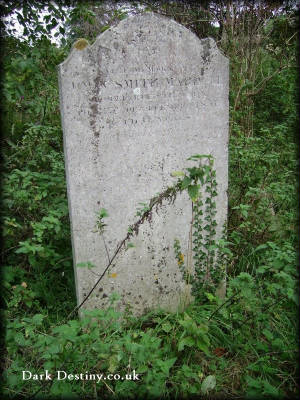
(138, 25)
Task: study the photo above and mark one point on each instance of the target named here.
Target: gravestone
(135, 105)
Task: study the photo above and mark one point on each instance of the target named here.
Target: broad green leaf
(186, 341)
(20, 339)
(202, 346)
(53, 349)
(268, 334)
(63, 390)
(208, 384)
(185, 182)
(166, 365)
(113, 363)
(37, 319)
(270, 390)
(166, 327)
(254, 383)
(143, 369)
(13, 380)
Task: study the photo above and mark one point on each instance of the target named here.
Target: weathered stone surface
(135, 105)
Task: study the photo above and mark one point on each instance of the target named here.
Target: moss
(80, 44)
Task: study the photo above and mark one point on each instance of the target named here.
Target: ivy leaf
(193, 191)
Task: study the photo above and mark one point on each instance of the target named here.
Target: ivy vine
(201, 185)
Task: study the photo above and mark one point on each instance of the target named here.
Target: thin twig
(170, 193)
(282, 351)
(106, 249)
(108, 387)
(222, 305)
(23, 394)
(261, 84)
(190, 246)
(101, 276)
(63, 259)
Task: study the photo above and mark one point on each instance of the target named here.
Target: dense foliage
(243, 346)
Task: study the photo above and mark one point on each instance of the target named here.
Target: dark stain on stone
(206, 51)
(101, 289)
(94, 100)
(94, 107)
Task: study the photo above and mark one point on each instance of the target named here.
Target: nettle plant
(209, 255)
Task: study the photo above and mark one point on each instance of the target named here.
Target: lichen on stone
(80, 44)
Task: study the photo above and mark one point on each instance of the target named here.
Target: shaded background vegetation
(248, 346)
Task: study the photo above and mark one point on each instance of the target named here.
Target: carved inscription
(142, 99)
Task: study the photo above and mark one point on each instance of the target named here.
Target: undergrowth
(243, 346)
